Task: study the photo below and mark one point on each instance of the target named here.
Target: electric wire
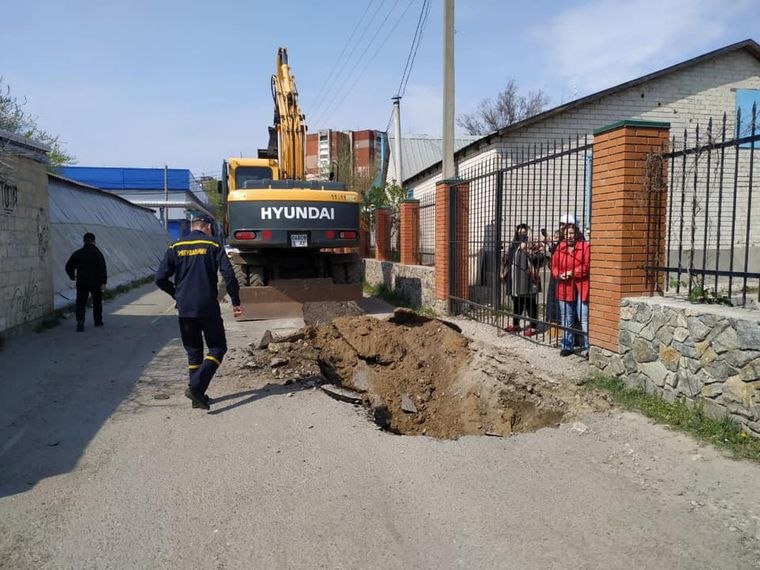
(412, 48)
(344, 69)
(338, 101)
(426, 10)
(339, 98)
(321, 91)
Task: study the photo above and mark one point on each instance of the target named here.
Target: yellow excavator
(288, 238)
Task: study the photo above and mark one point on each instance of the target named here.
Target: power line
(321, 90)
(412, 48)
(337, 101)
(419, 41)
(324, 115)
(334, 82)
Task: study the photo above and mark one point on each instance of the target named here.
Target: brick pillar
(444, 237)
(623, 223)
(382, 234)
(363, 238)
(410, 232)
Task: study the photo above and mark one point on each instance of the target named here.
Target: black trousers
(83, 292)
(202, 368)
(523, 303)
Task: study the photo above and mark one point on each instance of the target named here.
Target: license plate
(299, 240)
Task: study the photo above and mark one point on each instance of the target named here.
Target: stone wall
(416, 283)
(26, 286)
(705, 354)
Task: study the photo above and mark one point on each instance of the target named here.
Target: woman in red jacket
(570, 267)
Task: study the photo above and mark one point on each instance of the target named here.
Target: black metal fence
(711, 249)
(537, 185)
(427, 229)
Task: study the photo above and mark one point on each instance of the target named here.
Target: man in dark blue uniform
(87, 267)
(194, 261)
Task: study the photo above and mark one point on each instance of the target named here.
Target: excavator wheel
(241, 274)
(255, 276)
(354, 272)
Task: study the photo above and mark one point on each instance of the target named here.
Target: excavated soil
(420, 376)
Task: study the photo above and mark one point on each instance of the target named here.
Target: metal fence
(711, 249)
(536, 185)
(427, 229)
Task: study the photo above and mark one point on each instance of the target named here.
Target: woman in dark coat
(519, 272)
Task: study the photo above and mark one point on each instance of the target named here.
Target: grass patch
(382, 291)
(116, 291)
(50, 321)
(723, 433)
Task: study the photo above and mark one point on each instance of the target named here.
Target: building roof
(117, 178)
(418, 152)
(88, 188)
(23, 145)
(749, 45)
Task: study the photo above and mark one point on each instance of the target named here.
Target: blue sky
(148, 83)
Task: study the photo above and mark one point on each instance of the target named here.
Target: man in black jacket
(88, 267)
(194, 261)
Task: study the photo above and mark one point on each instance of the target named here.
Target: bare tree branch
(509, 107)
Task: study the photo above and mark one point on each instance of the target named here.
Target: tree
(509, 107)
(14, 119)
(211, 188)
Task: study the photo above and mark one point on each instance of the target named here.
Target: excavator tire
(241, 274)
(355, 272)
(255, 276)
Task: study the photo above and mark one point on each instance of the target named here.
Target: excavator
(290, 241)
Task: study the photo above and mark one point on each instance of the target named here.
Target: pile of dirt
(421, 376)
(316, 314)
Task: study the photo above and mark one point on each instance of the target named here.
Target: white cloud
(606, 42)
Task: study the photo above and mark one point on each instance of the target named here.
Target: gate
(536, 185)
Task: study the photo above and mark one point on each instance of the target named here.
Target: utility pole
(449, 168)
(397, 141)
(166, 197)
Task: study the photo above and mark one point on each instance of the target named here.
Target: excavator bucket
(285, 298)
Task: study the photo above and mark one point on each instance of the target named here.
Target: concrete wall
(415, 283)
(131, 238)
(706, 354)
(26, 285)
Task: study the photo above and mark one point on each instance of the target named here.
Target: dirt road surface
(103, 464)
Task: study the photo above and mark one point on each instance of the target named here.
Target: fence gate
(537, 186)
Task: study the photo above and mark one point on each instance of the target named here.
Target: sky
(146, 83)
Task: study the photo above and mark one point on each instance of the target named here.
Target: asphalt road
(103, 464)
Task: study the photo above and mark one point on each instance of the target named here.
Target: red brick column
(364, 238)
(382, 234)
(444, 237)
(620, 219)
(410, 232)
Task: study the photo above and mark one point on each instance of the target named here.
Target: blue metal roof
(114, 178)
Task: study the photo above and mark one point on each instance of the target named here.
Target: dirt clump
(316, 314)
(421, 376)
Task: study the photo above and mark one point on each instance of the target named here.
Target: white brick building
(684, 95)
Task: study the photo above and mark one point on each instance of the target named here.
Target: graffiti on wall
(8, 197)
(43, 233)
(24, 297)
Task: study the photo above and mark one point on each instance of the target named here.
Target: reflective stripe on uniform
(194, 366)
(195, 242)
(213, 359)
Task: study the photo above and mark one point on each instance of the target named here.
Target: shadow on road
(60, 387)
(258, 393)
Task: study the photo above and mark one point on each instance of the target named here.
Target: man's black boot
(197, 398)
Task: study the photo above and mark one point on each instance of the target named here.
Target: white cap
(568, 219)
